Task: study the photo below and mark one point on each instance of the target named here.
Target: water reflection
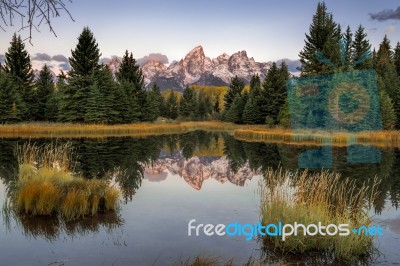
(196, 157)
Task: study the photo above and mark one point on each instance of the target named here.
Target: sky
(267, 30)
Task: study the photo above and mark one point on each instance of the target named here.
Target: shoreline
(250, 133)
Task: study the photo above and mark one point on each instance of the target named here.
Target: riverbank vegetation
(309, 198)
(46, 185)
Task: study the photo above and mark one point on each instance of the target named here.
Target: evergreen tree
(275, 91)
(361, 47)
(387, 111)
(130, 76)
(18, 65)
(84, 66)
(323, 38)
(154, 103)
(187, 107)
(235, 87)
(10, 100)
(387, 76)
(396, 58)
(233, 115)
(203, 106)
(52, 106)
(44, 90)
(85, 58)
(348, 56)
(94, 111)
(250, 111)
(18, 61)
(171, 106)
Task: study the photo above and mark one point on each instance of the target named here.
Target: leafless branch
(33, 13)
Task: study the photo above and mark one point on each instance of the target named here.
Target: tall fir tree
(44, 89)
(349, 51)
(203, 108)
(187, 107)
(396, 58)
(387, 76)
(153, 103)
(234, 113)
(171, 105)
(18, 65)
(323, 38)
(235, 87)
(85, 57)
(361, 47)
(130, 76)
(10, 100)
(84, 66)
(274, 90)
(18, 61)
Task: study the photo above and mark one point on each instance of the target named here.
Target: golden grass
(324, 197)
(378, 138)
(46, 185)
(69, 130)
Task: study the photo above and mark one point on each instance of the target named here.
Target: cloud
(390, 29)
(386, 14)
(2, 58)
(42, 57)
(60, 58)
(153, 57)
(292, 64)
(64, 66)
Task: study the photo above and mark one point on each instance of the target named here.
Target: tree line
(89, 92)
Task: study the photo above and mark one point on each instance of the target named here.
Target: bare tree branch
(32, 13)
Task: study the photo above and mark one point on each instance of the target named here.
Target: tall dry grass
(309, 198)
(46, 185)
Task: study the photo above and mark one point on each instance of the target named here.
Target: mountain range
(197, 68)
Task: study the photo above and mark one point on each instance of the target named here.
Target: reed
(309, 198)
(46, 185)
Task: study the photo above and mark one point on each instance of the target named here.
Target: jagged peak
(198, 50)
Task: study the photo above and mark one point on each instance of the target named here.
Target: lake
(166, 181)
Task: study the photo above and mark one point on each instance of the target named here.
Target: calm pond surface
(168, 181)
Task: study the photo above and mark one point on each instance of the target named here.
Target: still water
(166, 182)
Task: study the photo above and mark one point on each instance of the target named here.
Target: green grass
(308, 198)
(47, 185)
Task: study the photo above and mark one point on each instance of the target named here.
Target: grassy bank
(46, 185)
(68, 130)
(256, 133)
(323, 197)
(376, 138)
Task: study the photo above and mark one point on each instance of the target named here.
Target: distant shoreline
(254, 133)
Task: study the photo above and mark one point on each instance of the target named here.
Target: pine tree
(250, 111)
(44, 90)
(361, 47)
(323, 38)
(396, 58)
(52, 106)
(387, 111)
(10, 100)
(233, 114)
(154, 102)
(84, 66)
(204, 105)
(18, 61)
(348, 56)
(130, 76)
(85, 58)
(187, 107)
(94, 111)
(235, 87)
(388, 79)
(171, 105)
(18, 65)
(274, 90)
